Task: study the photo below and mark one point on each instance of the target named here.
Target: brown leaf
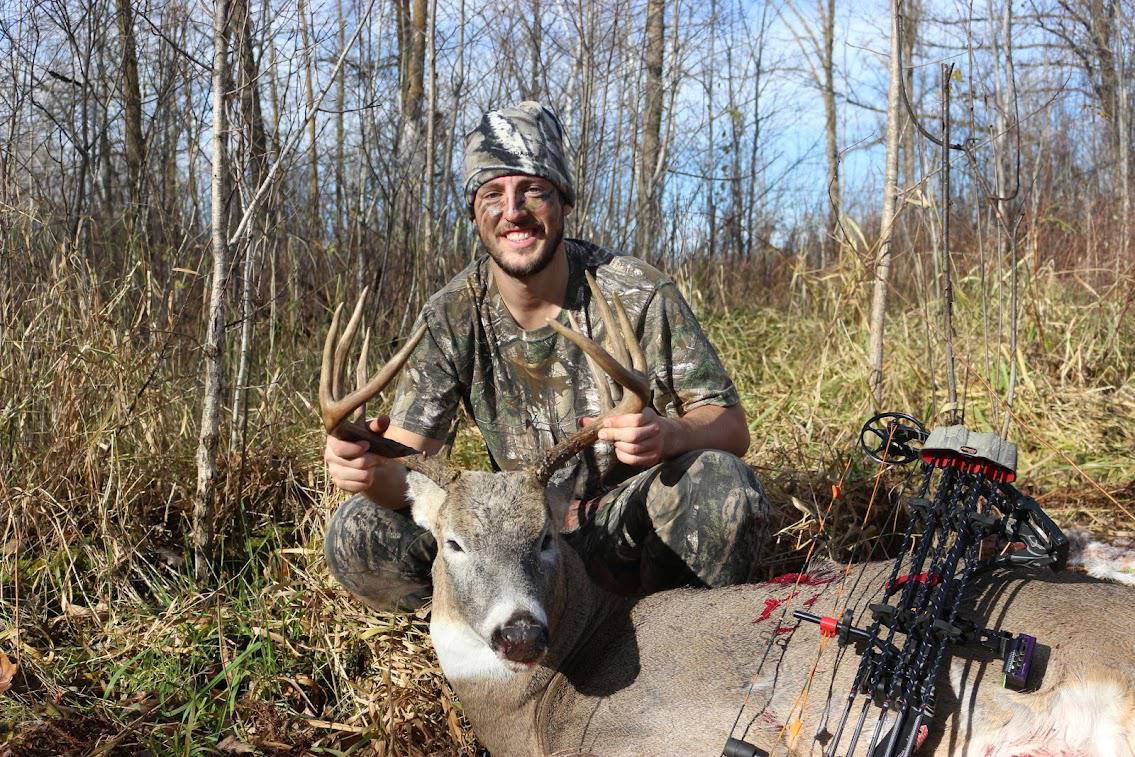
(7, 671)
(232, 745)
(454, 723)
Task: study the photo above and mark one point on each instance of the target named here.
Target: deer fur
(667, 674)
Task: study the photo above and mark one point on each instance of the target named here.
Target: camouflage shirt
(527, 390)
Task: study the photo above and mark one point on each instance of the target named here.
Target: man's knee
(379, 555)
(347, 531)
(715, 476)
(712, 511)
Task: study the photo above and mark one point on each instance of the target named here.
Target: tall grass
(119, 649)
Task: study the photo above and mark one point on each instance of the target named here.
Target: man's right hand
(353, 467)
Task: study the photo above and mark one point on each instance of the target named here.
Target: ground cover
(110, 646)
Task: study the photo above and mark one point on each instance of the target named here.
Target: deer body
(667, 674)
(546, 662)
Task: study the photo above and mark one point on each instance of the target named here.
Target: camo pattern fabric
(697, 520)
(379, 555)
(700, 519)
(527, 390)
(524, 139)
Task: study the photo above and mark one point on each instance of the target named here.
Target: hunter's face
(520, 220)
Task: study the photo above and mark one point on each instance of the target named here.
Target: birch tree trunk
(413, 21)
(733, 231)
(890, 192)
(341, 233)
(827, 65)
(408, 195)
(910, 13)
(1123, 125)
(648, 195)
(255, 160)
(214, 348)
(314, 214)
(457, 93)
(711, 140)
(819, 54)
(431, 139)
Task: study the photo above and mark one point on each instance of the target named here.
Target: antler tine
(327, 399)
(638, 359)
(612, 340)
(605, 402)
(344, 343)
(378, 381)
(335, 409)
(637, 394)
(361, 372)
(636, 387)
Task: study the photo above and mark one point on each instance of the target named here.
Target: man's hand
(352, 466)
(645, 439)
(355, 469)
(640, 439)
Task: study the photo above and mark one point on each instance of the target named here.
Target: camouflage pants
(697, 520)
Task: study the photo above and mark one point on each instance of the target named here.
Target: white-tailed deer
(546, 662)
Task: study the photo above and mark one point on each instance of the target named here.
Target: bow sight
(921, 615)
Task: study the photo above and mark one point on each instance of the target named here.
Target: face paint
(520, 222)
(494, 202)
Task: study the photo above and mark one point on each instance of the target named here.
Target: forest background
(187, 190)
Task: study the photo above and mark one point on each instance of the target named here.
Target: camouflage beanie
(524, 139)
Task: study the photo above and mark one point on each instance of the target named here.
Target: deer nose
(521, 639)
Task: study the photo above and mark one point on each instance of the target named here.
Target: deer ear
(425, 499)
(560, 491)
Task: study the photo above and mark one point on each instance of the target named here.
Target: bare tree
(1093, 33)
(214, 347)
(411, 38)
(827, 88)
(431, 137)
(341, 232)
(315, 206)
(819, 53)
(887, 219)
(132, 110)
(254, 159)
(650, 167)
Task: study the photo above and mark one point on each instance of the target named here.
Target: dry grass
(120, 650)
(801, 367)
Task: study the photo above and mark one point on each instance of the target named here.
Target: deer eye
(546, 543)
(453, 546)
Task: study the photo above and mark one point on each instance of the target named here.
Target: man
(663, 500)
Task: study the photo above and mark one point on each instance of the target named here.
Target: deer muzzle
(521, 639)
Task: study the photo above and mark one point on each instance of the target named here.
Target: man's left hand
(640, 439)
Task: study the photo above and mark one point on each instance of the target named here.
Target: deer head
(498, 576)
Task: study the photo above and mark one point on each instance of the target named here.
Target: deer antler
(336, 408)
(636, 387)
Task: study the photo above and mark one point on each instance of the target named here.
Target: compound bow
(921, 615)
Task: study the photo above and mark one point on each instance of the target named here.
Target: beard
(527, 268)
